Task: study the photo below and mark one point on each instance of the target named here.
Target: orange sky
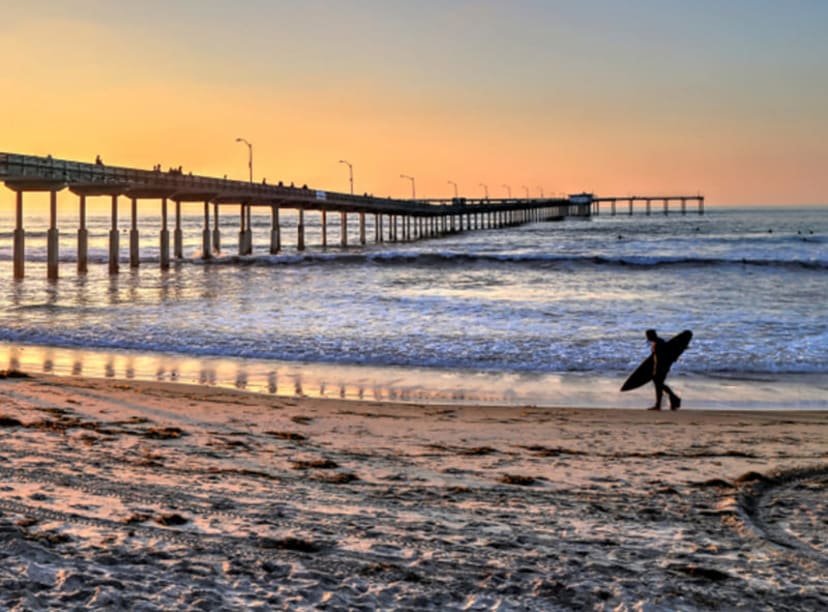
(730, 103)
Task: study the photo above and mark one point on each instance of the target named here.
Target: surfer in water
(661, 367)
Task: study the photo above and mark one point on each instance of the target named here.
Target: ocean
(548, 314)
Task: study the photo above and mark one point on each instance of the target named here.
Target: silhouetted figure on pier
(98, 161)
(661, 367)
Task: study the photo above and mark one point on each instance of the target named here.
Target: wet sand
(153, 496)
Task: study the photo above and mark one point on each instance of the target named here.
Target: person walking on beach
(661, 367)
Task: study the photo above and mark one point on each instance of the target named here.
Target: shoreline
(160, 495)
(418, 385)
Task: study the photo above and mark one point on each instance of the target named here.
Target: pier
(394, 220)
(682, 200)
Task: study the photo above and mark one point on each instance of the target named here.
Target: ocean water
(549, 313)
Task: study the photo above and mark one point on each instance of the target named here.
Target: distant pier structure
(698, 200)
(393, 219)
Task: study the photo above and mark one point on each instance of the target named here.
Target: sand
(151, 496)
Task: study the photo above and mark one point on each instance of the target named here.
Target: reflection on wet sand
(298, 380)
(400, 385)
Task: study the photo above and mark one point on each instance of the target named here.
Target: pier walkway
(393, 219)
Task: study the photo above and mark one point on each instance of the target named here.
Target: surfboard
(644, 373)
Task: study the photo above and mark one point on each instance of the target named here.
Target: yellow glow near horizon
(503, 101)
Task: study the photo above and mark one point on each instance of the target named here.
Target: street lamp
(350, 173)
(541, 191)
(485, 190)
(249, 156)
(526, 189)
(508, 190)
(455, 187)
(413, 189)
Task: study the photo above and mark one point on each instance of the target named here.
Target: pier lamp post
(485, 190)
(455, 187)
(413, 188)
(249, 156)
(350, 173)
(508, 190)
(526, 189)
(541, 191)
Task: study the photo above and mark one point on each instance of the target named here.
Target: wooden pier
(394, 219)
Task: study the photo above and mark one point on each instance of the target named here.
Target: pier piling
(52, 239)
(216, 231)
(165, 237)
(114, 251)
(19, 238)
(205, 233)
(300, 231)
(178, 235)
(83, 237)
(133, 235)
(275, 234)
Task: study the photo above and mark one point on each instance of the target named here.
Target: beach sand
(149, 496)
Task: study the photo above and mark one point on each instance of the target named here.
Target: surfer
(661, 367)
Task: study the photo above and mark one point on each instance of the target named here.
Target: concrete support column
(165, 237)
(666, 206)
(631, 207)
(205, 233)
(684, 206)
(275, 232)
(83, 239)
(300, 231)
(242, 234)
(19, 238)
(648, 207)
(343, 229)
(133, 235)
(52, 239)
(324, 228)
(216, 231)
(362, 228)
(377, 229)
(114, 250)
(248, 233)
(701, 206)
(178, 235)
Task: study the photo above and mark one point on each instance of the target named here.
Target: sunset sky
(729, 99)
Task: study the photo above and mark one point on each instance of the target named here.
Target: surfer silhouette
(662, 360)
(663, 354)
